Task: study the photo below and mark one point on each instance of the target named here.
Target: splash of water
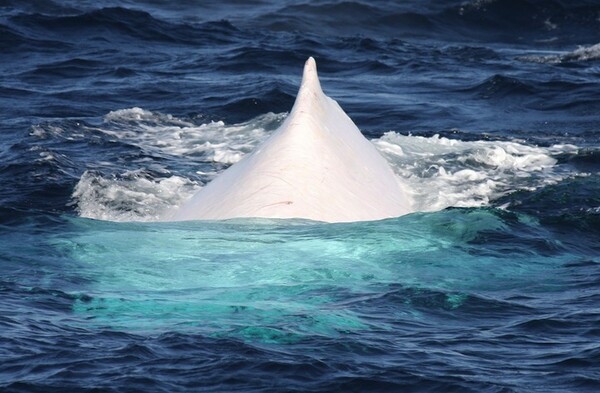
(440, 172)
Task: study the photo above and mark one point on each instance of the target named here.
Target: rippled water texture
(114, 113)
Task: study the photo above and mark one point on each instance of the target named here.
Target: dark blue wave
(504, 21)
(12, 41)
(500, 87)
(109, 24)
(118, 361)
(569, 207)
(522, 21)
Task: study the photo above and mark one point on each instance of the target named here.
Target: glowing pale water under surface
(286, 280)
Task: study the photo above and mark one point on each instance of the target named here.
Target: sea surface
(113, 113)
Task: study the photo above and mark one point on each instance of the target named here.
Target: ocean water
(112, 113)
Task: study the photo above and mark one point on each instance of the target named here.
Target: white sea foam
(134, 195)
(440, 172)
(445, 172)
(131, 196)
(212, 141)
(583, 53)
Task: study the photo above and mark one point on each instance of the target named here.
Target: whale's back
(316, 166)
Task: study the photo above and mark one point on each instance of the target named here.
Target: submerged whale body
(317, 165)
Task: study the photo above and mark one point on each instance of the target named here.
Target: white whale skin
(317, 165)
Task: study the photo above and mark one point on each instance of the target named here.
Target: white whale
(317, 165)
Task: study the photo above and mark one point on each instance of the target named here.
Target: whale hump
(317, 165)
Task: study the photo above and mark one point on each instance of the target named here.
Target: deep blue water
(112, 113)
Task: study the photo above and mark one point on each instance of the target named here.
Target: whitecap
(582, 53)
(443, 172)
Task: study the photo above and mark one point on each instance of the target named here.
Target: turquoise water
(281, 280)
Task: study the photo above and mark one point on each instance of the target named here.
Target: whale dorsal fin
(310, 78)
(317, 165)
